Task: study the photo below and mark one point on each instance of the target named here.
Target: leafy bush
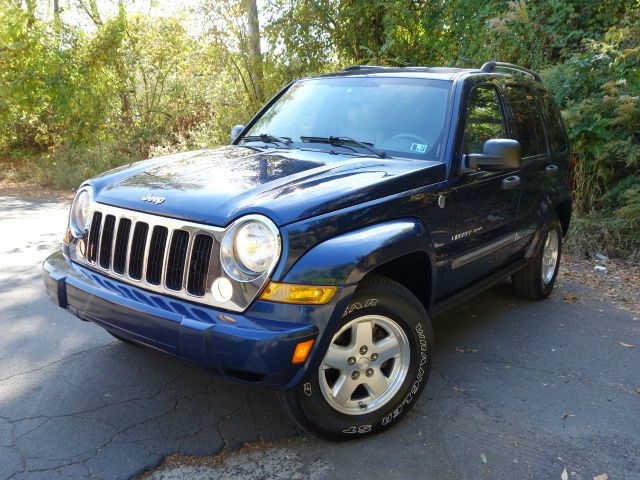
(74, 103)
(599, 91)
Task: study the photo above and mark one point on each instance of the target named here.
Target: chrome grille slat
(98, 239)
(187, 261)
(113, 241)
(165, 258)
(128, 249)
(145, 256)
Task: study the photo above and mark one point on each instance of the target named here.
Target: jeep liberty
(311, 253)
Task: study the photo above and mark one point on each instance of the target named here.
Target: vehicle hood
(217, 186)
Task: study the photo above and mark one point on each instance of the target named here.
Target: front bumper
(255, 346)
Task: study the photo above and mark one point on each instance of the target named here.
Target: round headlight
(250, 247)
(255, 246)
(80, 211)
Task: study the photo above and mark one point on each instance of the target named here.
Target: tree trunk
(255, 52)
(57, 23)
(31, 12)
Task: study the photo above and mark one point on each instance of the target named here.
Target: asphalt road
(518, 390)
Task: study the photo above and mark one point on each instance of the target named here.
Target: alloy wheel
(550, 256)
(365, 365)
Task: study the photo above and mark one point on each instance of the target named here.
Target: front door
(485, 203)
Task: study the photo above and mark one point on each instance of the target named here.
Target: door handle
(511, 182)
(551, 169)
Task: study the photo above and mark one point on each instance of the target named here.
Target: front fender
(347, 258)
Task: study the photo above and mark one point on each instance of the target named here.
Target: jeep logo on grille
(153, 199)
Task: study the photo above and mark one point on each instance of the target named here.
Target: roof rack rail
(360, 67)
(492, 65)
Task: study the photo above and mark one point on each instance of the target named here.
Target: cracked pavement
(518, 390)
(75, 402)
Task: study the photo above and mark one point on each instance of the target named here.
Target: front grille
(158, 252)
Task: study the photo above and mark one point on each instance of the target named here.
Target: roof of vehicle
(439, 73)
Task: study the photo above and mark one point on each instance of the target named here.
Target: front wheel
(374, 368)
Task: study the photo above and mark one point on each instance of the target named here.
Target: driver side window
(484, 119)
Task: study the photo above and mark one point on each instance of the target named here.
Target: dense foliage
(77, 100)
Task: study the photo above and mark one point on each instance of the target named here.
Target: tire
(390, 313)
(537, 279)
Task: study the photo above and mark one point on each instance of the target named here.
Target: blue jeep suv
(311, 252)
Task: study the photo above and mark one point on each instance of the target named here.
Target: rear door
(486, 203)
(557, 169)
(527, 127)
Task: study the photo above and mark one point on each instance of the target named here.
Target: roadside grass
(68, 168)
(608, 234)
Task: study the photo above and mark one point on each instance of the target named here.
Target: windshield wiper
(268, 138)
(344, 142)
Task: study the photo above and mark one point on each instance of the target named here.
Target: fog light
(301, 294)
(81, 248)
(222, 289)
(302, 351)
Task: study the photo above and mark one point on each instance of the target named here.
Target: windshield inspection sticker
(418, 148)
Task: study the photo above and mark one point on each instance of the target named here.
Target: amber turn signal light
(67, 237)
(301, 294)
(302, 351)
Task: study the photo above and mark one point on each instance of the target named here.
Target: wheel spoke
(362, 334)
(387, 348)
(377, 383)
(337, 357)
(343, 389)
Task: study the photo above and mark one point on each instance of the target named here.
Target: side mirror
(497, 154)
(235, 131)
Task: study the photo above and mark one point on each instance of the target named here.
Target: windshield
(402, 117)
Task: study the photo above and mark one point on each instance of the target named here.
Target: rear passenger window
(484, 119)
(527, 122)
(556, 131)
